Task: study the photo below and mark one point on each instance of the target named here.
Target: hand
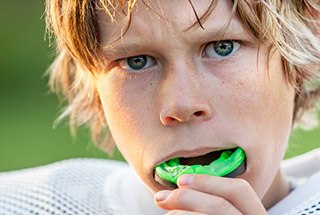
(204, 194)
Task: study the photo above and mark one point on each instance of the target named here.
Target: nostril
(168, 120)
(182, 117)
(198, 113)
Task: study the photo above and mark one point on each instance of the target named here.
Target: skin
(188, 102)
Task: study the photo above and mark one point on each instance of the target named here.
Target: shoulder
(305, 199)
(65, 171)
(77, 163)
(73, 185)
(303, 165)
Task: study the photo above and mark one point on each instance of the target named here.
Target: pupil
(137, 63)
(224, 48)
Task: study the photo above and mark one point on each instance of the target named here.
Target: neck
(277, 191)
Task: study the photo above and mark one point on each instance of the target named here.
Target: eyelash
(237, 45)
(123, 62)
(148, 60)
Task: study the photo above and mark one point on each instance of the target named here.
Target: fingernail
(162, 195)
(185, 180)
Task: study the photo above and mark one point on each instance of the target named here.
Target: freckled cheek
(240, 99)
(126, 116)
(263, 115)
(131, 131)
(120, 115)
(260, 106)
(258, 95)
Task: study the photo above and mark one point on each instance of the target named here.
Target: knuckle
(242, 185)
(202, 181)
(218, 203)
(221, 204)
(177, 196)
(179, 193)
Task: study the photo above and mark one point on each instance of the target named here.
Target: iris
(137, 62)
(224, 48)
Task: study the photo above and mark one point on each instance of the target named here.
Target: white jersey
(304, 172)
(98, 186)
(75, 186)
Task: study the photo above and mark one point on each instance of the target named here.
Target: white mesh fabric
(67, 187)
(78, 186)
(309, 206)
(304, 200)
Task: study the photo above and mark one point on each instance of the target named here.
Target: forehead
(174, 15)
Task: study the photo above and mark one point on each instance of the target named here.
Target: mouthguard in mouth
(230, 164)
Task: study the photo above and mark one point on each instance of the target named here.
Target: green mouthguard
(228, 161)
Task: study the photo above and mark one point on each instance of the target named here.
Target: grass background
(27, 109)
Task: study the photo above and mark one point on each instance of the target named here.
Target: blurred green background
(27, 109)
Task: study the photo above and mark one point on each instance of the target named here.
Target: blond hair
(290, 26)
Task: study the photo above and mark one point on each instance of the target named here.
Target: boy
(180, 79)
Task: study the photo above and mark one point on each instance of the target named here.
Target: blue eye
(221, 49)
(137, 63)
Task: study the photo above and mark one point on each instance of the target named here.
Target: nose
(184, 100)
(184, 115)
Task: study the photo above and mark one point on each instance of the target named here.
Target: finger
(181, 212)
(235, 190)
(195, 201)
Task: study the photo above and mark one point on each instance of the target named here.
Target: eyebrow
(118, 50)
(217, 33)
(128, 45)
(232, 24)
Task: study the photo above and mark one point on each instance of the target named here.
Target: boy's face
(184, 95)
